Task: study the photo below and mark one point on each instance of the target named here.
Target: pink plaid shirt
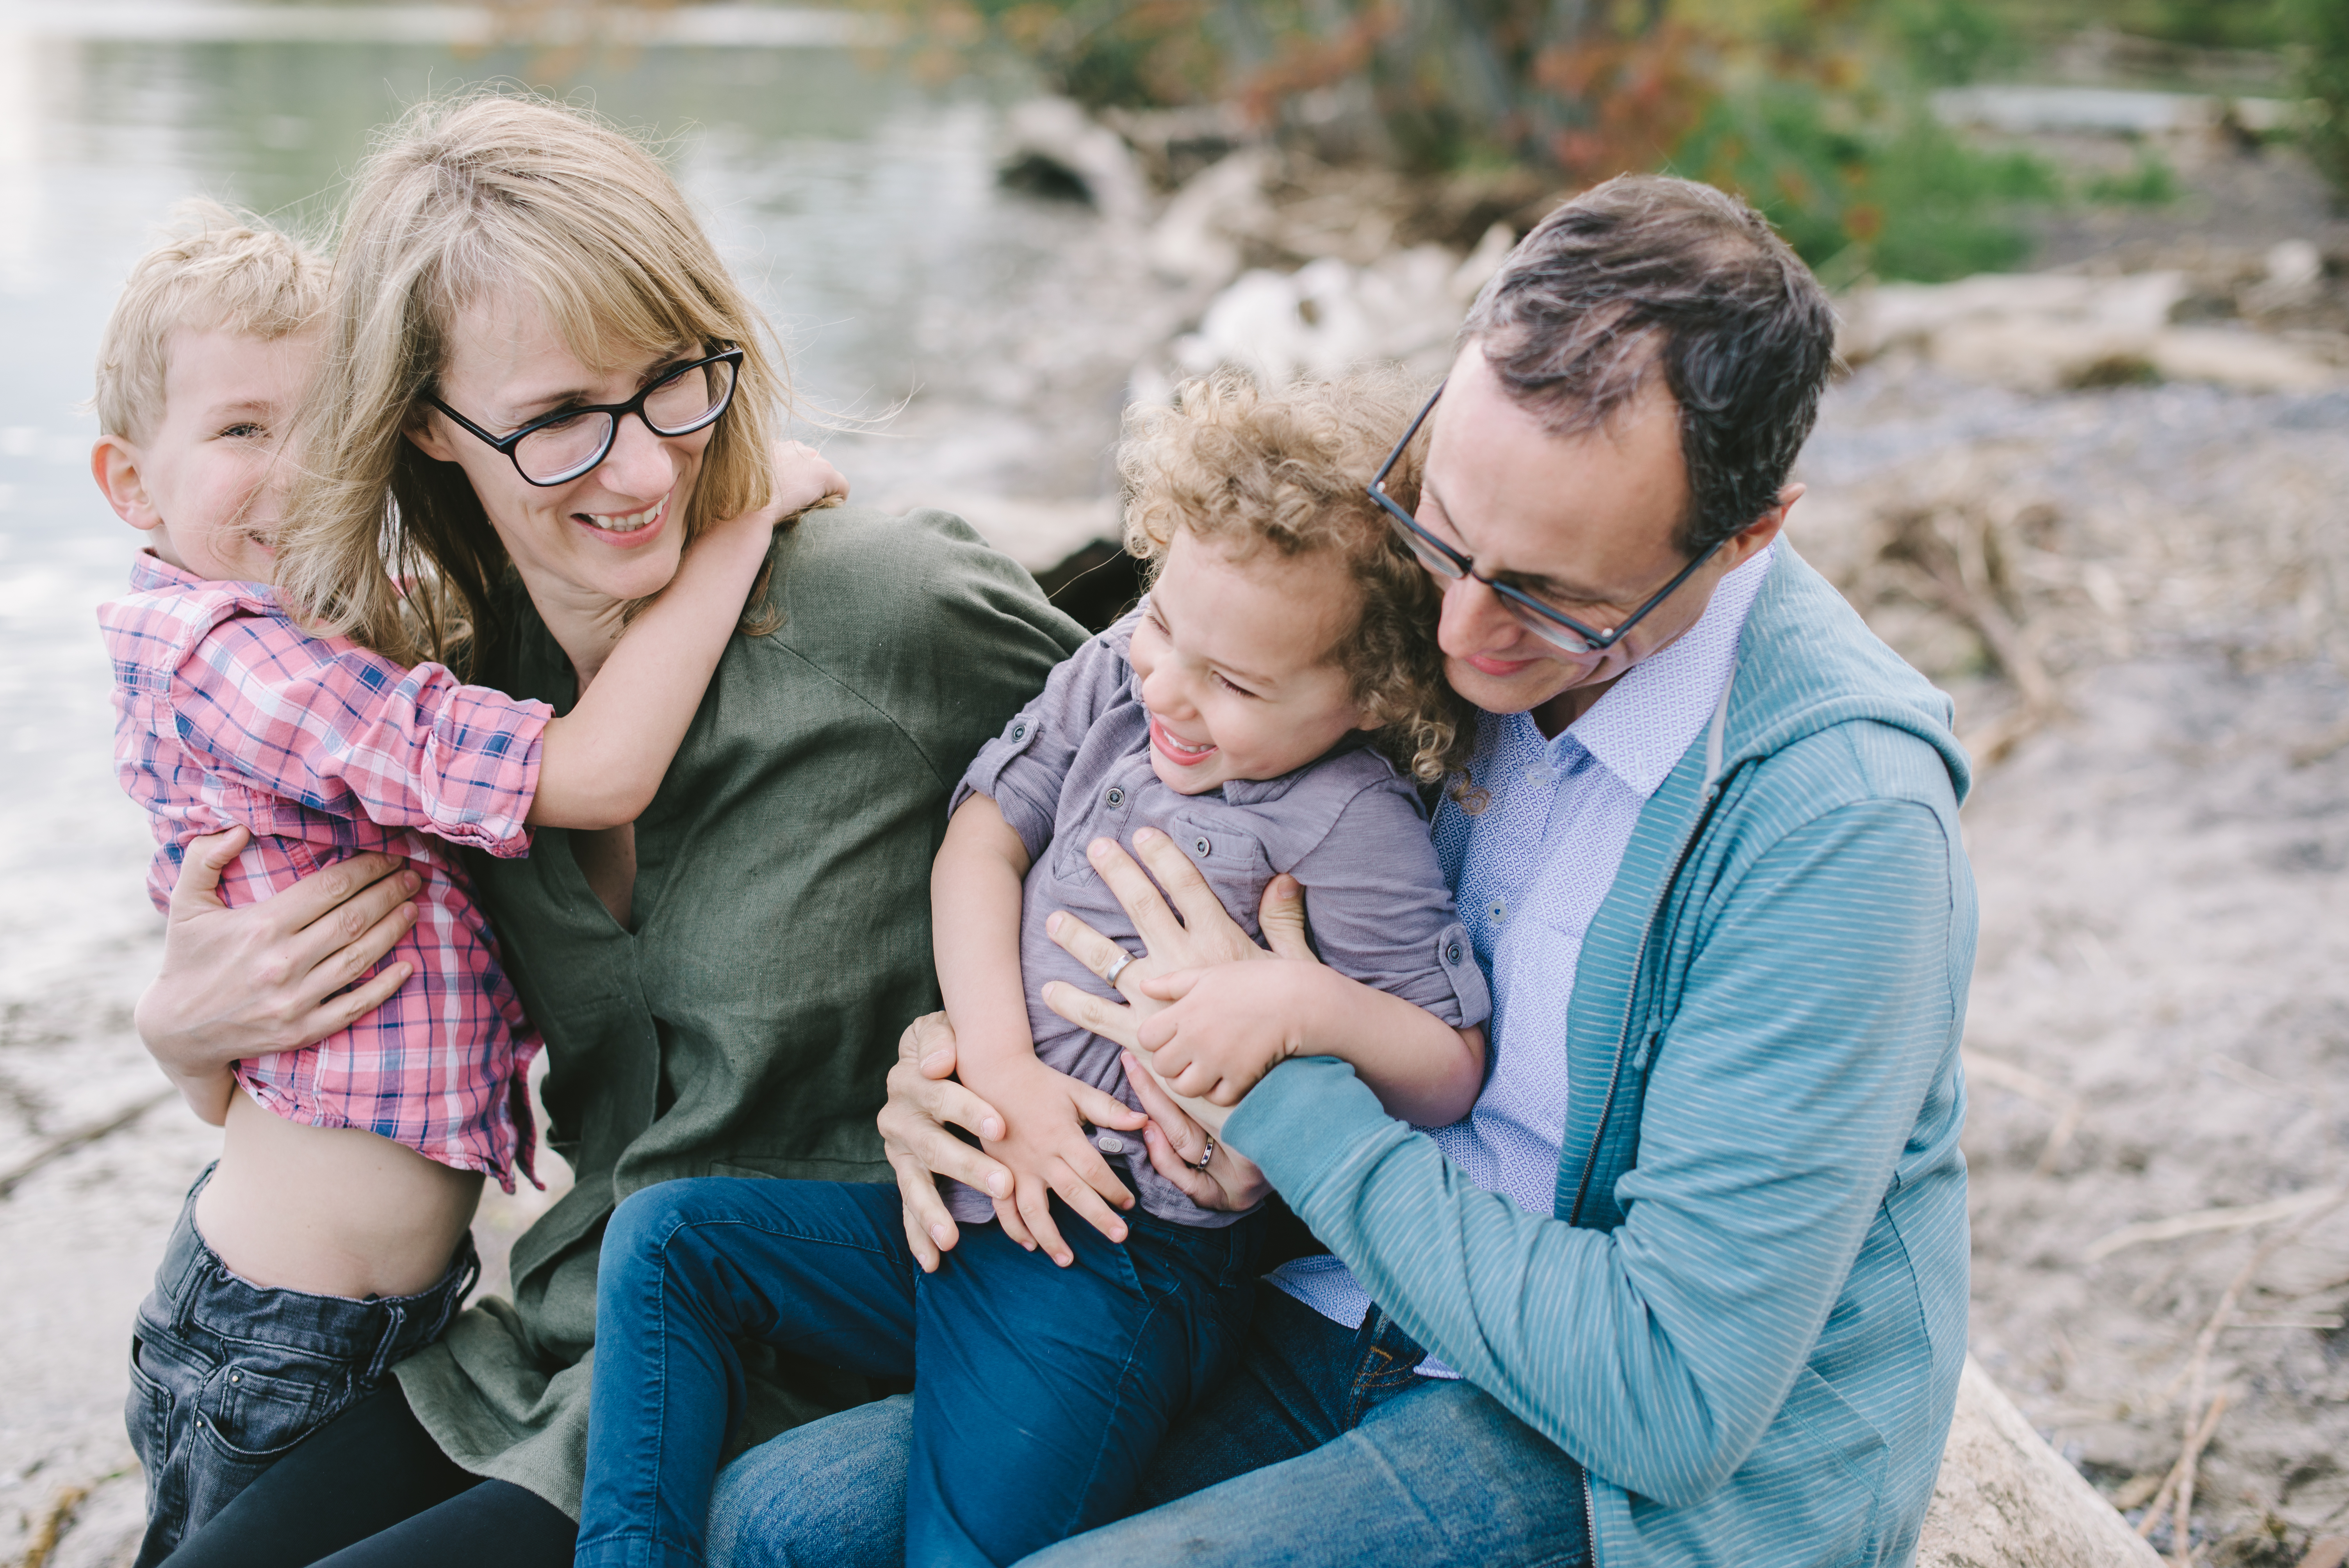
(227, 714)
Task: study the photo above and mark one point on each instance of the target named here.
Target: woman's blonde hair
(462, 196)
(1247, 468)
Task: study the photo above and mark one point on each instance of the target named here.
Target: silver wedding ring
(1118, 968)
(1201, 1163)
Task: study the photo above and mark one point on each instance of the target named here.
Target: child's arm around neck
(600, 764)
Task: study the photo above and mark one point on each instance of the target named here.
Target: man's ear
(114, 464)
(1756, 536)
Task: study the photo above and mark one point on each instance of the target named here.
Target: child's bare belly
(331, 1212)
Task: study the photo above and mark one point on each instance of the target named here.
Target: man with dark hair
(1689, 1284)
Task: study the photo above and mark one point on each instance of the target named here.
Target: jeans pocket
(251, 1415)
(146, 1417)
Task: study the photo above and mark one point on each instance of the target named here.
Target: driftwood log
(2006, 1499)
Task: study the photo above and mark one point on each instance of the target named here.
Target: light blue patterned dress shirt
(1529, 872)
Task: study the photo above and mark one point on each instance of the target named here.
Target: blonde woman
(721, 982)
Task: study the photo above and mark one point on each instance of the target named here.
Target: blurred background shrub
(1819, 111)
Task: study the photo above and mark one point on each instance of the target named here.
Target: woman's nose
(639, 466)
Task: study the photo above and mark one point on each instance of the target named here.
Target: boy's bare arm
(601, 763)
(975, 894)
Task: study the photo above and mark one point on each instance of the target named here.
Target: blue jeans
(1325, 1448)
(1042, 1392)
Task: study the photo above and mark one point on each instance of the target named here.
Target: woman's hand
(240, 983)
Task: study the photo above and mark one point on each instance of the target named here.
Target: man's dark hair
(1647, 271)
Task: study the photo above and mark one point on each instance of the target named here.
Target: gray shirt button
(1115, 798)
(1200, 846)
(1451, 952)
(1111, 1144)
(1019, 732)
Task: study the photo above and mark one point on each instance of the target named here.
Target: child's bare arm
(600, 764)
(1229, 1025)
(975, 889)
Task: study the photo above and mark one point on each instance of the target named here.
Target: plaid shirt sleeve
(347, 732)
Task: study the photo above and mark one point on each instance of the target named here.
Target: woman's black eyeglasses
(572, 441)
(1555, 627)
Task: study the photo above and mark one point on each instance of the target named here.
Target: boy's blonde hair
(462, 196)
(1246, 469)
(215, 271)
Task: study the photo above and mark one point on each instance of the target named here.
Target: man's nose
(1474, 620)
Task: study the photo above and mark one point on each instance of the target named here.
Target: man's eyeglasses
(566, 444)
(1555, 627)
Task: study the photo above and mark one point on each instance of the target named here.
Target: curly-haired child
(1272, 703)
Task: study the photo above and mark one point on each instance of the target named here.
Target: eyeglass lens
(676, 407)
(1445, 569)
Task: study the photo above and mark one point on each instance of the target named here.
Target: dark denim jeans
(1326, 1449)
(227, 1376)
(1041, 1392)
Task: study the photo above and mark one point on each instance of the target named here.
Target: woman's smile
(626, 530)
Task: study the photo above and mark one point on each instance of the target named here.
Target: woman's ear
(427, 436)
(114, 464)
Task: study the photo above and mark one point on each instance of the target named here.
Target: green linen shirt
(782, 943)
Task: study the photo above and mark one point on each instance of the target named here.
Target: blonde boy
(331, 1239)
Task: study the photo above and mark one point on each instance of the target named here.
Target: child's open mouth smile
(1174, 750)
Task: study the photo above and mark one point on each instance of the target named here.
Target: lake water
(860, 208)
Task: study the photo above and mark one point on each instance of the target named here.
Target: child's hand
(1227, 1025)
(1045, 1148)
(803, 480)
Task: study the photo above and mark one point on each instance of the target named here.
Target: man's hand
(1203, 939)
(1225, 1180)
(271, 977)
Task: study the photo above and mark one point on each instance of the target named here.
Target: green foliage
(2152, 183)
(2321, 76)
(1954, 41)
(1907, 200)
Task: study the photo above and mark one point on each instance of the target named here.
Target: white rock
(1327, 316)
(2006, 1499)
(1196, 238)
(1060, 132)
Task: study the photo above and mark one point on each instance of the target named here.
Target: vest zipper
(1715, 733)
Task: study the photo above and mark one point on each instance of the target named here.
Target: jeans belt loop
(396, 1316)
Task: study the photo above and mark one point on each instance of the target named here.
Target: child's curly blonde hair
(1246, 468)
